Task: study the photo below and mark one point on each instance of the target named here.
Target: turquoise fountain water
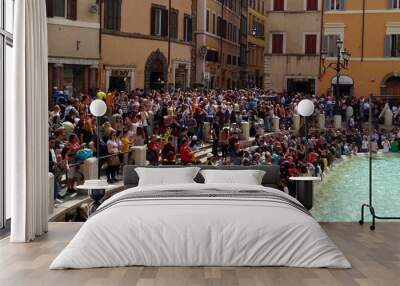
(340, 196)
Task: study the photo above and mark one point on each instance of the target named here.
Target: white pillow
(245, 177)
(166, 176)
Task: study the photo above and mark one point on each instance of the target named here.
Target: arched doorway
(391, 85)
(346, 85)
(156, 71)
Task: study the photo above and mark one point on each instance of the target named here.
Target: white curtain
(26, 124)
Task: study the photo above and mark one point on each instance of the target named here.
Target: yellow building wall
(136, 14)
(124, 51)
(63, 34)
(133, 44)
(368, 74)
(63, 42)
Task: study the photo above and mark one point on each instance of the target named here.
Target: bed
(201, 224)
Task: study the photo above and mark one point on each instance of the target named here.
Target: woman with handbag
(113, 148)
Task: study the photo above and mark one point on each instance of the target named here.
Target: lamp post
(342, 62)
(305, 108)
(98, 108)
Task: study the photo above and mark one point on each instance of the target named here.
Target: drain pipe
(363, 32)
(321, 34)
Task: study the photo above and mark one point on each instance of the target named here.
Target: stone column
(108, 74)
(139, 155)
(93, 77)
(321, 121)
(206, 132)
(245, 131)
(90, 169)
(388, 117)
(260, 127)
(349, 112)
(86, 79)
(296, 122)
(275, 124)
(338, 121)
(59, 76)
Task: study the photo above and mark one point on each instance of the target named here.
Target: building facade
(292, 57)
(146, 44)
(217, 38)
(256, 43)
(73, 33)
(243, 42)
(370, 30)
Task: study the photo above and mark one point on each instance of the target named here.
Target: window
(279, 5)
(392, 46)
(334, 5)
(112, 14)
(312, 5)
(394, 4)
(329, 44)
(224, 28)
(213, 24)
(174, 24)
(277, 43)
(259, 28)
(212, 56)
(310, 44)
(159, 21)
(59, 8)
(187, 29)
(62, 8)
(6, 63)
(208, 21)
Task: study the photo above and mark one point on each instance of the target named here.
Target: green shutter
(388, 46)
(327, 5)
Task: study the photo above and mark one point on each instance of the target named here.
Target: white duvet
(200, 232)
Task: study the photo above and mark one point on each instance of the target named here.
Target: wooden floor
(375, 257)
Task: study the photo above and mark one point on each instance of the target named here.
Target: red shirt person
(187, 155)
(154, 149)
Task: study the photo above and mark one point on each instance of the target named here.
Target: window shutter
(189, 29)
(341, 3)
(49, 8)
(174, 24)
(153, 21)
(72, 10)
(165, 16)
(325, 43)
(388, 46)
(390, 4)
(335, 50)
(118, 19)
(327, 5)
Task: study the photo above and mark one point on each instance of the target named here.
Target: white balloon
(305, 108)
(98, 107)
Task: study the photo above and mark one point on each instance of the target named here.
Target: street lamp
(305, 108)
(98, 108)
(342, 62)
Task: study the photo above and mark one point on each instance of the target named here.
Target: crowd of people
(171, 125)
